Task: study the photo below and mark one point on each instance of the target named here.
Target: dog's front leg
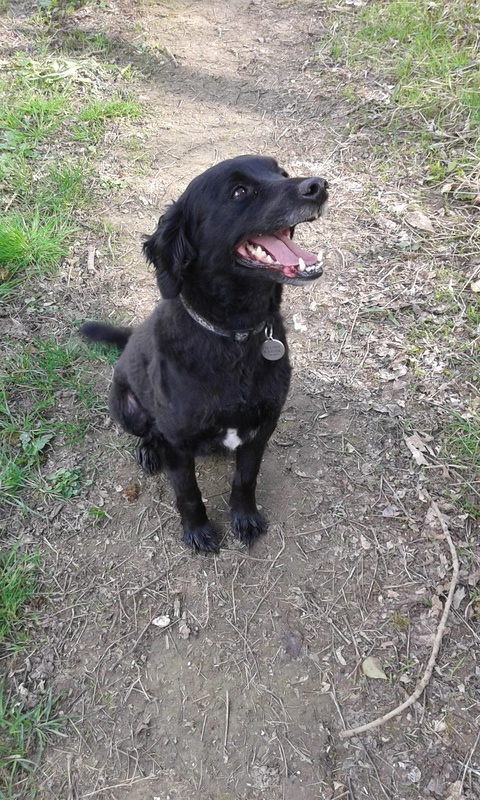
(246, 520)
(197, 530)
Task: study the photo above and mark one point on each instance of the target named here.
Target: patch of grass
(400, 622)
(109, 109)
(24, 727)
(58, 7)
(463, 440)
(43, 189)
(49, 366)
(15, 176)
(18, 581)
(94, 114)
(32, 421)
(35, 234)
(76, 40)
(428, 51)
(24, 732)
(37, 227)
(472, 313)
(31, 380)
(28, 120)
(31, 242)
(64, 187)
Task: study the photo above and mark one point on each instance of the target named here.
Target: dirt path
(244, 695)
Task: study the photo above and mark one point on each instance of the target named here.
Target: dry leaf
(446, 188)
(143, 724)
(390, 511)
(474, 578)
(392, 374)
(415, 451)
(458, 597)
(365, 542)
(417, 219)
(421, 443)
(392, 409)
(436, 609)
(373, 669)
(455, 791)
(475, 286)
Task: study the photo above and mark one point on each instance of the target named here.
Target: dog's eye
(239, 192)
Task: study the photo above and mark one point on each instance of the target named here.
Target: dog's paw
(148, 458)
(202, 538)
(248, 527)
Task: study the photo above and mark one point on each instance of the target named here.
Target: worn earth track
(244, 695)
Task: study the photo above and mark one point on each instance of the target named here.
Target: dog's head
(239, 215)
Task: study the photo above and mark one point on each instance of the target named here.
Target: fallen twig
(91, 258)
(436, 642)
(227, 723)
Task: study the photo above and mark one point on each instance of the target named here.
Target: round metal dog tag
(273, 349)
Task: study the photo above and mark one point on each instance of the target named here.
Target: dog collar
(237, 336)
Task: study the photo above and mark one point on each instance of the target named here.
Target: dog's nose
(314, 188)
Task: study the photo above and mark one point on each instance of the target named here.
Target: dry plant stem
(12, 199)
(91, 258)
(436, 643)
(227, 722)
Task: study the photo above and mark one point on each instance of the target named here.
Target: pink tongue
(283, 249)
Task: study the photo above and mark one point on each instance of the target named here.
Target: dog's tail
(108, 334)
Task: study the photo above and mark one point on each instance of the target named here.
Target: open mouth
(280, 256)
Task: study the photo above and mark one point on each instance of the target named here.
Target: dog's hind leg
(127, 411)
(246, 520)
(197, 529)
(148, 454)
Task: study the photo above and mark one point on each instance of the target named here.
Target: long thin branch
(436, 642)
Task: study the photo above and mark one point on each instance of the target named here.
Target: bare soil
(244, 693)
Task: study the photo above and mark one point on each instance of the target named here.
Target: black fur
(180, 387)
(98, 332)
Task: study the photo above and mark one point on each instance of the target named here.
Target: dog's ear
(170, 251)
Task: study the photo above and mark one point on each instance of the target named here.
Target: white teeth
(259, 253)
(320, 257)
(256, 251)
(301, 265)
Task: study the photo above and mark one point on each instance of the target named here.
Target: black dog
(209, 368)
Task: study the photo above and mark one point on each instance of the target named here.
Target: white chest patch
(232, 439)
